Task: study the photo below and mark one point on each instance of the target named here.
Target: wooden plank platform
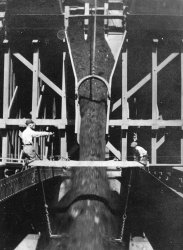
(42, 170)
(67, 164)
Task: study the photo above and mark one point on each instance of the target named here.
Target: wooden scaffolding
(12, 121)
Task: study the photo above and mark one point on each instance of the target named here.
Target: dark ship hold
(99, 74)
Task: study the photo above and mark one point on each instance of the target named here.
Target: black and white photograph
(91, 124)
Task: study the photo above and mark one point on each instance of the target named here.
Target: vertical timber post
(11, 81)
(125, 111)
(63, 138)
(35, 79)
(181, 150)
(154, 102)
(6, 91)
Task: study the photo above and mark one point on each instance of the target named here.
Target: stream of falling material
(90, 220)
(94, 224)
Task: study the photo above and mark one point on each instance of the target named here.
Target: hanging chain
(55, 236)
(125, 210)
(46, 210)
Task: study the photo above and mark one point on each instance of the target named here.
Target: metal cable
(94, 38)
(60, 5)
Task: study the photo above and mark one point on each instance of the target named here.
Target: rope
(94, 38)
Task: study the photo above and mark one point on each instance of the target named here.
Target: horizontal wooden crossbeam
(146, 123)
(110, 165)
(67, 164)
(98, 15)
(59, 123)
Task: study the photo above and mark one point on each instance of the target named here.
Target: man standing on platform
(139, 153)
(27, 138)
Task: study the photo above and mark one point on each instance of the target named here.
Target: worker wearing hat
(27, 138)
(139, 153)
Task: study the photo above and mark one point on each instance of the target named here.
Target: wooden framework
(156, 122)
(8, 125)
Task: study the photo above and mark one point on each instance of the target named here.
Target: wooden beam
(50, 84)
(145, 80)
(98, 15)
(24, 61)
(66, 19)
(116, 105)
(72, 60)
(63, 109)
(86, 21)
(125, 110)
(182, 81)
(124, 140)
(54, 108)
(11, 81)
(160, 142)
(154, 102)
(148, 77)
(154, 83)
(6, 87)
(40, 100)
(41, 75)
(153, 149)
(35, 79)
(146, 123)
(173, 165)
(106, 12)
(139, 85)
(12, 101)
(181, 67)
(59, 123)
(13, 145)
(115, 152)
(107, 164)
(63, 143)
(16, 145)
(6, 91)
